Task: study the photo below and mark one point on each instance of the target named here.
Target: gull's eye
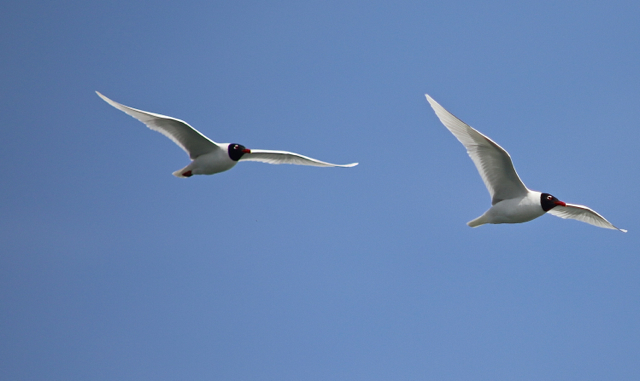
(549, 197)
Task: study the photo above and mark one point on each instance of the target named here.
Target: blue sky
(112, 268)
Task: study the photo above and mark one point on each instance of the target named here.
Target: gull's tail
(478, 221)
(184, 172)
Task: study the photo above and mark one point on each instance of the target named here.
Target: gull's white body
(512, 202)
(209, 163)
(512, 211)
(208, 156)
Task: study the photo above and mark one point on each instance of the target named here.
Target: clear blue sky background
(113, 269)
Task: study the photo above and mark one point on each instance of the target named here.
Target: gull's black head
(237, 150)
(549, 202)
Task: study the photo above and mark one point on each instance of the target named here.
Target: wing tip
(429, 99)
(349, 165)
(622, 230)
(109, 101)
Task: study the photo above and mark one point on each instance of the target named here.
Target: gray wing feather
(180, 132)
(584, 214)
(492, 161)
(284, 157)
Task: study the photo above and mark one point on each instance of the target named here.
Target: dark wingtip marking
(187, 174)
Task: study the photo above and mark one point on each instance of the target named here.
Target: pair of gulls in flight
(511, 201)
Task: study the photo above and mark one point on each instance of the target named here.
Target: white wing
(491, 160)
(185, 136)
(283, 157)
(584, 214)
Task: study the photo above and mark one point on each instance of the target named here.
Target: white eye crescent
(549, 197)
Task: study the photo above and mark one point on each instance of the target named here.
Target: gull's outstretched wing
(284, 157)
(185, 136)
(491, 160)
(584, 214)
